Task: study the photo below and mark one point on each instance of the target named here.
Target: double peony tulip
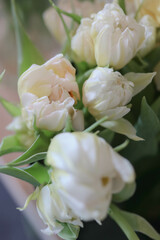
(107, 93)
(112, 38)
(87, 171)
(48, 93)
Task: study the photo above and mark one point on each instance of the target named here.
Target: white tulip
(117, 37)
(150, 35)
(106, 93)
(87, 172)
(48, 93)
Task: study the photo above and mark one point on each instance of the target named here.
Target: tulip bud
(106, 93)
(150, 35)
(48, 93)
(87, 171)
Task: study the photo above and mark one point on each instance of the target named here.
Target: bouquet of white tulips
(88, 120)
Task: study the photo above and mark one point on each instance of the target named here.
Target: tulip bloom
(87, 172)
(115, 38)
(106, 93)
(48, 93)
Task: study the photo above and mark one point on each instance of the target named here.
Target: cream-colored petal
(124, 127)
(140, 80)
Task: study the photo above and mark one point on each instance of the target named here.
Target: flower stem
(96, 124)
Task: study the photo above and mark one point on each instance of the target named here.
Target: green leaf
(27, 53)
(126, 193)
(1, 75)
(156, 107)
(133, 66)
(11, 144)
(19, 173)
(153, 58)
(139, 224)
(148, 127)
(122, 5)
(34, 158)
(11, 108)
(69, 231)
(39, 172)
(117, 216)
(39, 146)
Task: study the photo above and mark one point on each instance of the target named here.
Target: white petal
(140, 80)
(124, 127)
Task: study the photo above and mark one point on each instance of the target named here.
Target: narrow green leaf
(1, 75)
(39, 172)
(148, 127)
(39, 146)
(75, 17)
(11, 144)
(27, 52)
(69, 231)
(126, 193)
(122, 5)
(117, 216)
(139, 224)
(34, 158)
(19, 173)
(156, 107)
(11, 108)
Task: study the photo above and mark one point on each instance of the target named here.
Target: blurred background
(13, 192)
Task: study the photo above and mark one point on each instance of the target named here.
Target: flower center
(104, 181)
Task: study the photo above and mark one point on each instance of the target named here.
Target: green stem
(121, 146)
(59, 11)
(96, 124)
(75, 17)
